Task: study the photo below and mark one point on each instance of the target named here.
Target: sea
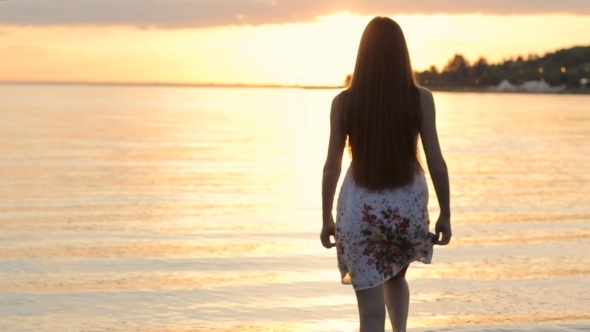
(176, 209)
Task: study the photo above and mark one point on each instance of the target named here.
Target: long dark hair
(382, 111)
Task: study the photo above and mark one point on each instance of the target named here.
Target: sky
(305, 42)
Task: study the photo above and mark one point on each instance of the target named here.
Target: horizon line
(179, 84)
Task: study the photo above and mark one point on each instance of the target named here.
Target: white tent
(505, 85)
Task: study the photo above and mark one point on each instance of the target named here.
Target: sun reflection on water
(198, 210)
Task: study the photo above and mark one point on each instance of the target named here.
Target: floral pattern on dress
(380, 232)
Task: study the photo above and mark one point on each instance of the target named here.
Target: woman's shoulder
(338, 101)
(426, 99)
(424, 92)
(337, 112)
(340, 96)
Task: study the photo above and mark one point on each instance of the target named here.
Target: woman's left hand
(329, 229)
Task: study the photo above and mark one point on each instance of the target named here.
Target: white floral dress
(379, 232)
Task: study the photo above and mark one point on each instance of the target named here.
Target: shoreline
(490, 89)
(166, 84)
(285, 86)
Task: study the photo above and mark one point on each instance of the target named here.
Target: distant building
(536, 86)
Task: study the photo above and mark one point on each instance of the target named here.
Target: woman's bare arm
(436, 164)
(332, 169)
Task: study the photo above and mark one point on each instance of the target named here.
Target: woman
(382, 217)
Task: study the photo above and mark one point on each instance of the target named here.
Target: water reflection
(182, 209)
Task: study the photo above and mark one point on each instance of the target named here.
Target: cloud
(207, 13)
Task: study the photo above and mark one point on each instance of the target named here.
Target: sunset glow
(315, 53)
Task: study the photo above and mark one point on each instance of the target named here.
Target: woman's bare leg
(371, 309)
(397, 299)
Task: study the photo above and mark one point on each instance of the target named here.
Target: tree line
(570, 67)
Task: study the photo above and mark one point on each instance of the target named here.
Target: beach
(170, 208)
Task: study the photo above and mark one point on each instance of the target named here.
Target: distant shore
(485, 89)
(196, 85)
(491, 89)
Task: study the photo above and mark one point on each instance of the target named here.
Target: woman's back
(381, 109)
(379, 230)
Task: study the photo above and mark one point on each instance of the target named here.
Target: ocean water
(138, 208)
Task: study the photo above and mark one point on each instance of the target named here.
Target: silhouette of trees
(567, 66)
(457, 64)
(347, 80)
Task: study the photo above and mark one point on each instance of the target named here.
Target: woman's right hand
(328, 230)
(443, 225)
